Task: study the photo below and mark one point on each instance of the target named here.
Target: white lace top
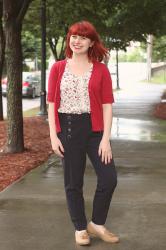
(74, 92)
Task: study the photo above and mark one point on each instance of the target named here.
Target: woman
(80, 117)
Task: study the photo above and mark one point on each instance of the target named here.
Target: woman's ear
(92, 43)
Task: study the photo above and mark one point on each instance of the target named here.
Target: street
(28, 103)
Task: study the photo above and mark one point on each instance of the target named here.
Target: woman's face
(80, 44)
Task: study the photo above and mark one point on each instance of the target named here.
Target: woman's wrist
(105, 138)
(53, 136)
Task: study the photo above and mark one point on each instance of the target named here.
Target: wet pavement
(33, 212)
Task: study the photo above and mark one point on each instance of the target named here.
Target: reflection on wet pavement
(138, 130)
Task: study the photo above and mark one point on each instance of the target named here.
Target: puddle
(138, 130)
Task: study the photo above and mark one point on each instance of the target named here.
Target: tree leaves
(117, 21)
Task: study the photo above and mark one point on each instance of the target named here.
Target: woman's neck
(80, 59)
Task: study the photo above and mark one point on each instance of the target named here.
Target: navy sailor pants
(78, 139)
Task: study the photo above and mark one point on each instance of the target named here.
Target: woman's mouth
(76, 47)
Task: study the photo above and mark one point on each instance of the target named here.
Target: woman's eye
(80, 37)
(73, 36)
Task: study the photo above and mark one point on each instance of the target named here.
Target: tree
(159, 49)
(61, 15)
(13, 14)
(118, 22)
(31, 47)
(133, 20)
(2, 52)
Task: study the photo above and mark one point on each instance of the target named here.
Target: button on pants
(78, 139)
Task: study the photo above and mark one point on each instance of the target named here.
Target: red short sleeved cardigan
(100, 91)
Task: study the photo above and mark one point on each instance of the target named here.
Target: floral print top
(74, 92)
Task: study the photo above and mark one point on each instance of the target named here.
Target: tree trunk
(61, 55)
(13, 14)
(15, 141)
(53, 48)
(149, 57)
(2, 53)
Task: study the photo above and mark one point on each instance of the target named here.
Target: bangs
(81, 29)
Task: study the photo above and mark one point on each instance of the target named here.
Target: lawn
(159, 77)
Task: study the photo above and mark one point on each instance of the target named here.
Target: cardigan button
(68, 117)
(69, 136)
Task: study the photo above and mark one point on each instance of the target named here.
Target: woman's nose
(77, 39)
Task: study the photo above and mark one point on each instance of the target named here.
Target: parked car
(31, 85)
(4, 86)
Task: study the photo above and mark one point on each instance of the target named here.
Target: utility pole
(149, 57)
(117, 70)
(43, 107)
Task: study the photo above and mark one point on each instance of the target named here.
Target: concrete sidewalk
(33, 213)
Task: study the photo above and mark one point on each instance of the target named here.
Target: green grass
(159, 78)
(31, 112)
(160, 137)
(115, 90)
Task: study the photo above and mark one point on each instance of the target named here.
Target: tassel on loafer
(82, 238)
(106, 235)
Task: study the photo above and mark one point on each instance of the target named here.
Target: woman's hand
(105, 151)
(57, 147)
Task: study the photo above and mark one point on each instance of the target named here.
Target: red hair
(95, 53)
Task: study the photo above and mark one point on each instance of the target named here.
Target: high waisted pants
(78, 139)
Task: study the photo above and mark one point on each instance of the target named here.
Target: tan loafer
(106, 236)
(82, 238)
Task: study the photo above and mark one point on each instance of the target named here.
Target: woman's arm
(105, 147)
(55, 142)
(51, 121)
(107, 119)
